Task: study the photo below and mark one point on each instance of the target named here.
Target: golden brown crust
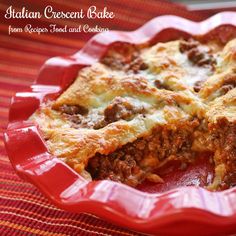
(109, 106)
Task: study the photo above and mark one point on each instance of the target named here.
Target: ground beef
(117, 167)
(229, 180)
(115, 64)
(197, 86)
(227, 87)
(120, 55)
(73, 109)
(124, 57)
(89, 121)
(223, 138)
(80, 117)
(196, 53)
(140, 160)
(160, 85)
(136, 65)
(120, 108)
(229, 84)
(188, 45)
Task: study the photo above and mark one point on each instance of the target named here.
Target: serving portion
(142, 106)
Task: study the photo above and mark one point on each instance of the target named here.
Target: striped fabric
(23, 210)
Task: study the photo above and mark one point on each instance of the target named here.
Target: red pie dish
(155, 153)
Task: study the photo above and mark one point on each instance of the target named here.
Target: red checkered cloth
(23, 209)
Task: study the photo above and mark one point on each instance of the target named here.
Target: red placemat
(23, 210)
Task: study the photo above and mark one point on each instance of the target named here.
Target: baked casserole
(140, 107)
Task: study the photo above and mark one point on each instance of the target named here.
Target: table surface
(23, 209)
